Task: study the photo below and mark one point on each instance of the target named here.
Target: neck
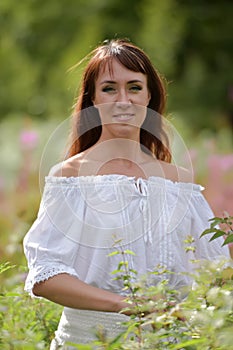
(126, 150)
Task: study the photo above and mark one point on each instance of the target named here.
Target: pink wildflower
(29, 139)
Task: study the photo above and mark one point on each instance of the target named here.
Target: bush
(25, 323)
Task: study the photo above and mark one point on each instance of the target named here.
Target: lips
(123, 117)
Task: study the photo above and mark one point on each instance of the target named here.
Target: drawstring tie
(143, 206)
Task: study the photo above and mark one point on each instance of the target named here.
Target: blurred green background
(191, 44)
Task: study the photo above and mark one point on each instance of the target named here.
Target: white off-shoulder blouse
(82, 220)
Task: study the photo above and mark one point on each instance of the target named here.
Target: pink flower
(226, 162)
(28, 139)
(223, 162)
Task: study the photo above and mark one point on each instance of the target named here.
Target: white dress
(79, 220)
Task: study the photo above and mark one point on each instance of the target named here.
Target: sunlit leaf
(228, 240)
(130, 252)
(117, 252)
(227, 273)
(218, 234)
(207, 231)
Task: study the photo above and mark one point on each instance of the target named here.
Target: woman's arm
(69, 291)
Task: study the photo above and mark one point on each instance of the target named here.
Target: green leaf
(130, 252)
(218, 234)
(227, 273)
(117, 271)
(122, 263)
(117, 252)
(116, 340)
(228, 240)
(6, 266)
(207, 231)
(188, 343)
(12, 294)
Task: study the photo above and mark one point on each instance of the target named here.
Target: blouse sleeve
(49, 251)
(190, 218)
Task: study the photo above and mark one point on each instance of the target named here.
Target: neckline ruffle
(124, 179)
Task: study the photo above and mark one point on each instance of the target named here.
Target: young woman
(116, 184)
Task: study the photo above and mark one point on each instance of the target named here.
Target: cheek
(144, 100)
(148, 97)
(105, 110)
(100, 99)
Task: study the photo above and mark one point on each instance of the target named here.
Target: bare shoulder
(176, 173)
(68, 168)
(184, 175)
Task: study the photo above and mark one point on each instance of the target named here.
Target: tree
(191, 43)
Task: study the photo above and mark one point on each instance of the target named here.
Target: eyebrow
(114, 82)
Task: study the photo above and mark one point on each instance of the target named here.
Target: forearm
(69, 291)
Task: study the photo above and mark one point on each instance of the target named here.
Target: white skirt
(80, 327)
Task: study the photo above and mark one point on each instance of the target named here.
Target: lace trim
(102, 179)
(35, 277)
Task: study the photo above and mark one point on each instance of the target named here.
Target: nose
(122, 99)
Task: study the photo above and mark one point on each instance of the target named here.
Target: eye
(135, 88)
(108, 89)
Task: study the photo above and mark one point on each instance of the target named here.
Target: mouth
(124, 117)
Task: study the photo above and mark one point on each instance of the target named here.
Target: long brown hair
(86, 125)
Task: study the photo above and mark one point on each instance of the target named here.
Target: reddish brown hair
(86, 124)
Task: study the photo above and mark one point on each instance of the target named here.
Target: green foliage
(226, 231)
(5, 266)
(40, 41)
(189, 41)
(25, 323)
(164, 319)
(197, 318)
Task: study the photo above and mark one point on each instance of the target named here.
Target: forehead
(114, 70)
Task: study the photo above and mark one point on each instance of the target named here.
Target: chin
(123, 130)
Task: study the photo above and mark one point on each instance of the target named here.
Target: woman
(117, 184)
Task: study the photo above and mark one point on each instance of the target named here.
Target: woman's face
(121, 97)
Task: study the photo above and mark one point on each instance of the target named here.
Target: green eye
(108, 89)
(136, 88)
